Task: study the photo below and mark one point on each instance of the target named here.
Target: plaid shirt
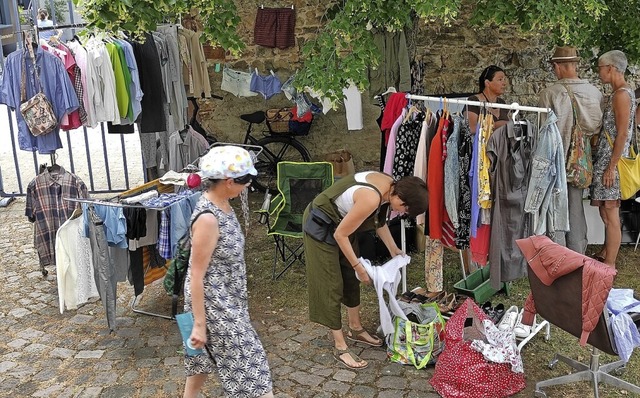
(46, 209)
(164, 235)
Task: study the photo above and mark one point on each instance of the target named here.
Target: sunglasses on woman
(245, 179)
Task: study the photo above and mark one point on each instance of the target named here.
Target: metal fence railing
(105, 162)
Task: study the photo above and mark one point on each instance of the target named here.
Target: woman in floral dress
(617, 131)
(216, 285)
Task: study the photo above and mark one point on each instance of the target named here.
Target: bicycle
(276, 147)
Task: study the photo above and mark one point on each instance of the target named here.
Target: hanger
(54, 168)
(445, 107)
(519, 124)
(390, 90)
(412, 111)
(76, 213)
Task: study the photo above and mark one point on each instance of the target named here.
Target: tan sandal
(357, 336)
(337, 354)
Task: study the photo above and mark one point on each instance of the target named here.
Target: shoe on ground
(521, 330)
(509, 319)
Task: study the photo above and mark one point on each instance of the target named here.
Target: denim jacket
(547, 194)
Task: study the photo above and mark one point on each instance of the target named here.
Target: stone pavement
(47, 354)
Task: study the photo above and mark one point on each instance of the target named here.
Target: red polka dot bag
(461, 371)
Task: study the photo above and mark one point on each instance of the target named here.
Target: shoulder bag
(629, 171)
(37, 110)
(579, 164)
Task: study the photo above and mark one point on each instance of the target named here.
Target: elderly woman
(615, 138)
(355, 203)
(216, 284)
(492, 83)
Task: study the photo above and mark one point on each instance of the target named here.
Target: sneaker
(521, 330)
(509, 319)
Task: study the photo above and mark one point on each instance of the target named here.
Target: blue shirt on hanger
(55, 84)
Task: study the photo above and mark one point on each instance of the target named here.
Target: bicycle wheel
(274, 150)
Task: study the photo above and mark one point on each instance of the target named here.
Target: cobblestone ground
(47, 354)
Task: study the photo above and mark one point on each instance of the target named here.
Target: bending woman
(354, 203)
(613, 143)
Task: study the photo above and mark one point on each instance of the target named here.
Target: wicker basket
(278, 119)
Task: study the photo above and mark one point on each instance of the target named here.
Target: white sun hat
(226, 162)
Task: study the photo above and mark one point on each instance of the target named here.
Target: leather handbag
(37, 111)
(579, 164)
(629, 172)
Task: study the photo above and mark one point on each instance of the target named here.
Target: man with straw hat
(589, 116)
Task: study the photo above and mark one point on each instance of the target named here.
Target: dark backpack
(174, 278)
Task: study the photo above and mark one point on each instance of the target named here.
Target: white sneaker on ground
(509, 319)
(521, 330)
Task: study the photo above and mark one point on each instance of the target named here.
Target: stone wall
(453, 58)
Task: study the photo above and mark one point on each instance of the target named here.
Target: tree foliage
(219, 17)
(343, 49)
(593, 26)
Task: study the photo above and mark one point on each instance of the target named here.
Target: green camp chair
(298, 184)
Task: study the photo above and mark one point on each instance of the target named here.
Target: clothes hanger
(412, 111)
(390, 90)
(77, 212)
(519, 126)
(445, 108)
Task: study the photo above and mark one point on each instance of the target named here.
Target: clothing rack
(134, 303)
(114, 204)
(459, 101)
(544, 324)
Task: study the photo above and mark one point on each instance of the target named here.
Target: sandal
(434, 297)
(357, 336)
(337, 354)
(407, 296)
(447, 303)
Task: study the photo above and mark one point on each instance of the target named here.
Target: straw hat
(565, 54)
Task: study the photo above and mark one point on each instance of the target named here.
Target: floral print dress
(238, 355)
(605, 151)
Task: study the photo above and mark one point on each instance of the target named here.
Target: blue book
(185, 324)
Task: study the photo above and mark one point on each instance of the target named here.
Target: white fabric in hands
(386, 277)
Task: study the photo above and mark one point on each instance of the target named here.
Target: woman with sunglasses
(614, 141)
(492, 84)
(216, 284)
(355, 203)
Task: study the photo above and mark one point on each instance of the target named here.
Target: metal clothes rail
(102, 202)
(513, 106)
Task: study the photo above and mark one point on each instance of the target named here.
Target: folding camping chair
(298, 185)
